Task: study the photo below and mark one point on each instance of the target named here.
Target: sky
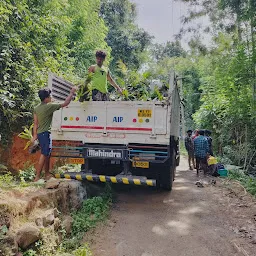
(161, 18)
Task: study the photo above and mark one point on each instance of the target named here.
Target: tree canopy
(127, 41)
(37, 37)
(227, 75)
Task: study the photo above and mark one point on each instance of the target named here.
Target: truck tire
(168, 173)
(166, 178)
(178, 161)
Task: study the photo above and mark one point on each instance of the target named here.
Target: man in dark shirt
(190, 149)
(209, 139)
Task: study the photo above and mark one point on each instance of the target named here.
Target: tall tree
(227, 75)
(127, 41)
(170, 49)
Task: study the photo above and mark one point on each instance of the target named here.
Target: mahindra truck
(130, 142)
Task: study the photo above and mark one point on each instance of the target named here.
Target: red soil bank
(16, 157)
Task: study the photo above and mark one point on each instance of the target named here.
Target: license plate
(144, 113)
(76, 160)
(144, 165)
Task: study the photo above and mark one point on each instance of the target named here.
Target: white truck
(130, 142)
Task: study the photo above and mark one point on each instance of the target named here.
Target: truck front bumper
(127, 180)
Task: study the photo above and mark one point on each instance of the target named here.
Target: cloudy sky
(161, 18)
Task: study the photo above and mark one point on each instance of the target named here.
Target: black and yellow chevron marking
(102, 178)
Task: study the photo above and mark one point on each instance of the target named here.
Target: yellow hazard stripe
(125, 180)
(89, 177)
(113, 179)
(79, 177)
(102, 178)
(149, 182)
(67, 176)
(137, 181)
(57, 176)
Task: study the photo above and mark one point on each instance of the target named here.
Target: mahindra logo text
(103, 153)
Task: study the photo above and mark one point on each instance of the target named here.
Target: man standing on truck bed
(43, 114)
(100, 76)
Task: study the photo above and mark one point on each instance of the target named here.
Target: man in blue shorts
(43, 114)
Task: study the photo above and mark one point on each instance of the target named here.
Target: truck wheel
(178, 161)
(174, 167)
(166, 178)
(168, 174)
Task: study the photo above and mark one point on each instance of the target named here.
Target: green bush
(248, 182)
(93, 210)
(6, 180)
(83, 251)
(28, 174)
(30, 252)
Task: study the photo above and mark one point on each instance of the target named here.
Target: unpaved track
(186, 222)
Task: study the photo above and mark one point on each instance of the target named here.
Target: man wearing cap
(190, 149)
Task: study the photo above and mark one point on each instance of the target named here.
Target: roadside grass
(248, 182)
(93, 211)
(25, 177)
(81, 251)
(22, 180)
(183, 150)
(7, 180)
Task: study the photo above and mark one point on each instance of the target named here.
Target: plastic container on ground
(223, 172)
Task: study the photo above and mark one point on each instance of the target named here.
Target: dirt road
(186, 222)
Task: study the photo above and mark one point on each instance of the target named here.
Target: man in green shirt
(100, 76)
(43, 114)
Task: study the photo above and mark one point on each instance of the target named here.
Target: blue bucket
(223, 172)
